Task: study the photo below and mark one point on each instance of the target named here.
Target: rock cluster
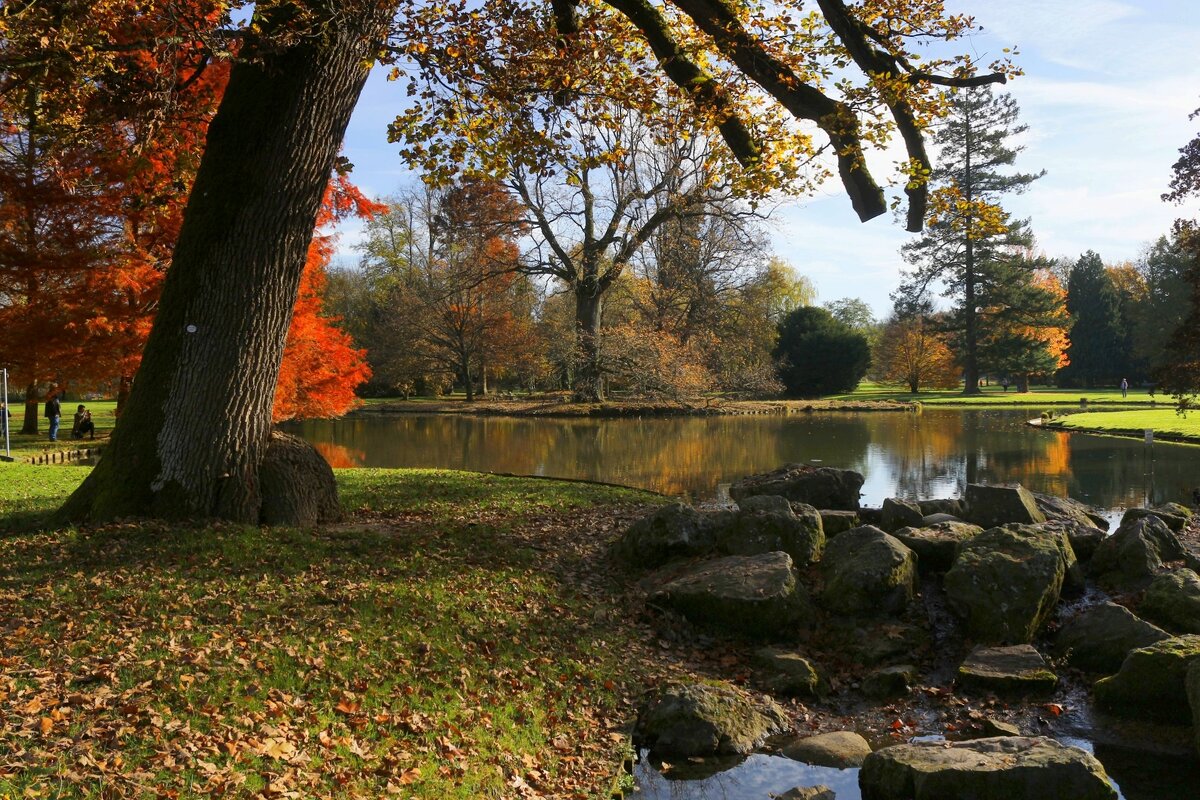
(799, 558)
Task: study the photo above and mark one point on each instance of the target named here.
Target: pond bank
(1167, 424)
(562, 407)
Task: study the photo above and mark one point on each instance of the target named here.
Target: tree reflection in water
(930, 454)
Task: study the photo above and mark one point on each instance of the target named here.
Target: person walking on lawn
(53, 413)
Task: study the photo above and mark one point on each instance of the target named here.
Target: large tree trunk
(197, 422)
(589, 380)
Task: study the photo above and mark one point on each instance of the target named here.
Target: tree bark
(196, 425)
(589, 380)
(30, 424)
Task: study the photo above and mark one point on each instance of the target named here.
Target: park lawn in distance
(996, 396)
(26, 445)
(470, 646)
(1165, 423)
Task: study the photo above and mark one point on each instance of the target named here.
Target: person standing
(53, 413)
(1124, 387)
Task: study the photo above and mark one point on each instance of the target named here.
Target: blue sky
(1107, 90)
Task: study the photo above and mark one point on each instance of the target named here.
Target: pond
(905, 454)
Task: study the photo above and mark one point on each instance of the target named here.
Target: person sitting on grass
(83, 424)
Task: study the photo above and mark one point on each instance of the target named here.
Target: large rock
(889, 682)
(989, 506)
(952, 507)
(790, 673)
(834, 521)
(1135, 552)
(866, 571)
(1151, 682)
(701, 720)
(767, 523)
(1017, 669)
(1005, 582)
(1099, 638)
(296, 484)
(840, 749)
(936, 545)
(822, 487)
(1064, 508)
(1003, 768)
(1084, 539)
(1173, 601)
(900, 513)
(674, 531)
(1173, 515)
(752, 595)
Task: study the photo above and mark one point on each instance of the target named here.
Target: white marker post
(5, 414)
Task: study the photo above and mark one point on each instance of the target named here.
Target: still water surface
(931, 454)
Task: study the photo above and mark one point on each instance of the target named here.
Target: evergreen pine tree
(971, 244)
(1097, 352)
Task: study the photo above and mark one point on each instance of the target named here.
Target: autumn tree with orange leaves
(298, 71)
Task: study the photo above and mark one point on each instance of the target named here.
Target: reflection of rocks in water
(693, 769)
(754, 778)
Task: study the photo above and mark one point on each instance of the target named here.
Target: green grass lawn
(459, 637)
(1133, 423)
(996, 396)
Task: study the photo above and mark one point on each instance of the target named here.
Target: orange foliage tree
(321, 367)
(913, 351)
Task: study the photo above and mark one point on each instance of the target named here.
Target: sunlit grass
(444, 643)
(996, 396)
(1163, 421)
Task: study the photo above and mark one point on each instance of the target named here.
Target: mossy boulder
(755, 596)
(952, 507)
(821, 487)
(866, 571)
(900, 513)
(1100, 637)
(1135, 552)
(889, 682)
(1006, 582)
(1173, 601)
(936, 545)
(790, 673)
(686, 720)
(673, 531)
(1017, 669)
(989, 506)
(1173, 515)
(1152, 681)
(834, 521)
(1001, 768)
(840, 749)
(768, 523)
(1066, 509)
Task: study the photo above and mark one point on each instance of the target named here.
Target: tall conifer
(971, 246)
